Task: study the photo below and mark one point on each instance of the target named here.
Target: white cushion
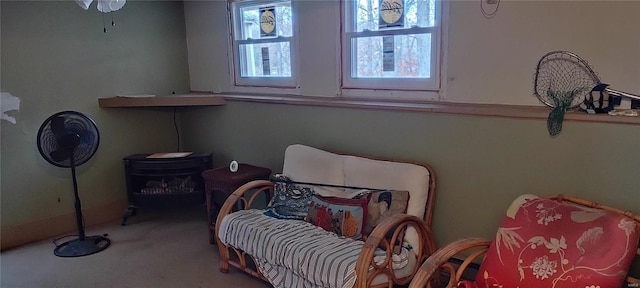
(307, 164)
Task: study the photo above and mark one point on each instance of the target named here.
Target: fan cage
(74, 123)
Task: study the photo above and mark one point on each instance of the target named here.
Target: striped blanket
(293, 253)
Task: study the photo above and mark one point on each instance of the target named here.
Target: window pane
(400, 56)
(265, 60)
(416, 13)
(250, 20)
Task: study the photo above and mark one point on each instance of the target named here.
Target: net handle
(622, 94)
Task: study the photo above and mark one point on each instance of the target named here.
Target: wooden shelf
(162, 101)
(493, 110)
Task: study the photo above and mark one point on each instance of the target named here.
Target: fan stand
(83, 245)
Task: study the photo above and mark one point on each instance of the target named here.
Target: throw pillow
(343, 216)
(384, 204)
(290, 201)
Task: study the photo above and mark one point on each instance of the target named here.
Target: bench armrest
(393, 225)
(440, 261)
(259, 186)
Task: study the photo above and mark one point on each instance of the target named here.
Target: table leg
(210, 223)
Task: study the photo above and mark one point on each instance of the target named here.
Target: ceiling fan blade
(57, 126)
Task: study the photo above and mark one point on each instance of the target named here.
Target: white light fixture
(84, 4)
(104, 6)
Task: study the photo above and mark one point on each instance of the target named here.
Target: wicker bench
(310, 165)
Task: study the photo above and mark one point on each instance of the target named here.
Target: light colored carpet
(168, 249)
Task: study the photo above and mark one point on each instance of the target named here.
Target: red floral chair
(560, 242)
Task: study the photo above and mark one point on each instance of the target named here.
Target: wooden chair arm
(259, 186)
(439, 261)
(378, 239)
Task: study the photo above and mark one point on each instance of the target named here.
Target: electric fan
(68, 139)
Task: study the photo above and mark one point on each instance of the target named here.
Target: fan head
(68, 138)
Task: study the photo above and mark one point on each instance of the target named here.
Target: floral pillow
(343, 216)
(384, 204)
(546, 243)
(290, 200)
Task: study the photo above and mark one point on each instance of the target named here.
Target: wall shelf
(162, 101)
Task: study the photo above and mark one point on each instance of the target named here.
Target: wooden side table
(222, 180)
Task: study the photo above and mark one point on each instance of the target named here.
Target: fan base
(77, 247)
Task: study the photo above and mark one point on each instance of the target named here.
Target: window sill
(492, 110)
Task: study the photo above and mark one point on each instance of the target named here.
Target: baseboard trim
(13, 236)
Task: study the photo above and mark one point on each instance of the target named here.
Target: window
(263, 43)
(391, 44)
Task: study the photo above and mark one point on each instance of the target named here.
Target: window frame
(404, 88)
(238, 81)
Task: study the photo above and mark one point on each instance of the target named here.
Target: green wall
(482, 163)
(56, 57)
